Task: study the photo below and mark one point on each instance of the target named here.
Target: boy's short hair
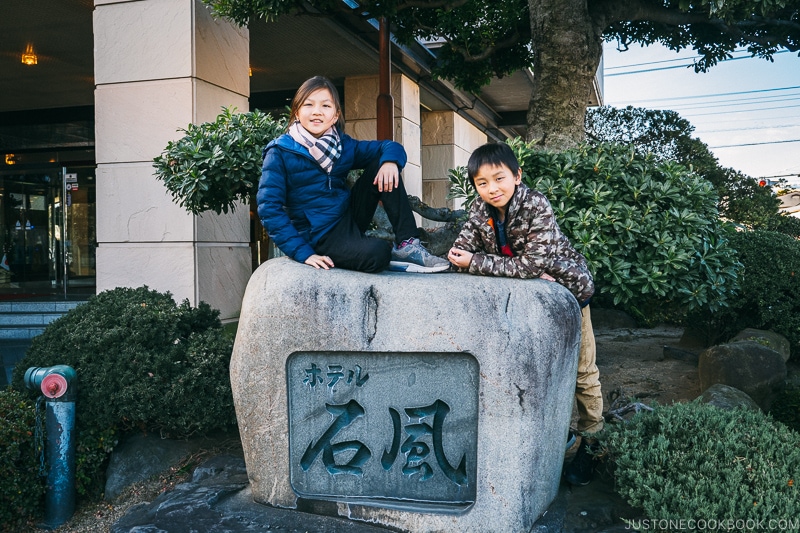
(493, 154)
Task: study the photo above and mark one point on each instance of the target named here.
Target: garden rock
(727, 397)
(141, 456)
(501, 351)
(218, 498)
(756, 370)
(770, 339)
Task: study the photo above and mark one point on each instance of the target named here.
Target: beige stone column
(447, 142)
(360, 109)
(160, 65)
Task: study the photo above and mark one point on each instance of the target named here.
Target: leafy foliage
(217, 164)
(784, 224)
(693, 460)
(650, 230)
(668, 137)
(22, 490)
(665, 134)
(770, 293)
(475, 40)
(483, 39)
(713, 28)
(143, 363)
(93, 447)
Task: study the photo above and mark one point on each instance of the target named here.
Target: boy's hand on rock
(460, 258)
(547, 276)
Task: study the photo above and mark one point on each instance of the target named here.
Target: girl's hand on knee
(320, 261)
(388, 177)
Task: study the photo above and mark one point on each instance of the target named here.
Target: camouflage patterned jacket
(535, 240)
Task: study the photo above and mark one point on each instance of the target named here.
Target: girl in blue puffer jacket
(309, 211)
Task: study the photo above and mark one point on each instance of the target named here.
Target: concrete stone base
(518, 341)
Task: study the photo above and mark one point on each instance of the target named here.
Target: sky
(746, 110)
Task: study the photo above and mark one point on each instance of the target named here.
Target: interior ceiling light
(29, 57)
(10, 159)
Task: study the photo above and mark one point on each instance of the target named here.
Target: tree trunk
(567, 48)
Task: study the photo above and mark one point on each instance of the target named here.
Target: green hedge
(22, 488)
(770, 290)
(144, 363)
(693, 461)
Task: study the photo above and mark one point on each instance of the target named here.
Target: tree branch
(437, 214)
(508, 42)
(608, 12)
(427, 4)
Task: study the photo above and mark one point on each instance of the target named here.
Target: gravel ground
(98, 517)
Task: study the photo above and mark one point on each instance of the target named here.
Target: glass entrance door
(47, 232)
(78, 230)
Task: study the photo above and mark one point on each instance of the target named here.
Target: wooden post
(385, 102)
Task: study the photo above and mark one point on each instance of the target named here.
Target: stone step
(58, 306)
(18, 319)
(21, 321)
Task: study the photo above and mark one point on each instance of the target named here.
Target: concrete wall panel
(162, 267)
(137, 208)
(134, 121)
(145, 40)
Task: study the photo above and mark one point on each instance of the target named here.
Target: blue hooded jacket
(298, 202)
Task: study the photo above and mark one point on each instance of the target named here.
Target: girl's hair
(309, 86)
(492, 154)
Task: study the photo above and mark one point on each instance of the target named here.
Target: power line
(754, 144)
(646, 63)
(732, 103)
(728, 102)
(752, 99)
(712, 95)
(743, 110)
(673, 66)
(777, 127)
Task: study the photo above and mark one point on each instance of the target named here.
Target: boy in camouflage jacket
(512, 231)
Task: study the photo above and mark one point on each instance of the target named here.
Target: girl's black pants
(348, 246)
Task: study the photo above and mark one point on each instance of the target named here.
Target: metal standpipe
(58, 385)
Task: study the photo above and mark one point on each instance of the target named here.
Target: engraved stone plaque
(396, 429)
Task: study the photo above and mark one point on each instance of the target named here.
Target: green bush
(22, 490)
(143, 363)
(650, 230)
(217, 164)
(785, 408)
(783, 224)
(695, 461)
(770, 293)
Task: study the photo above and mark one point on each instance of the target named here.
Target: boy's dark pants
(348, 246)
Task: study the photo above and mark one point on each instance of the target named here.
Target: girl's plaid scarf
(325, 150)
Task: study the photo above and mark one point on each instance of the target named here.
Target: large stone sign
(421, 402)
